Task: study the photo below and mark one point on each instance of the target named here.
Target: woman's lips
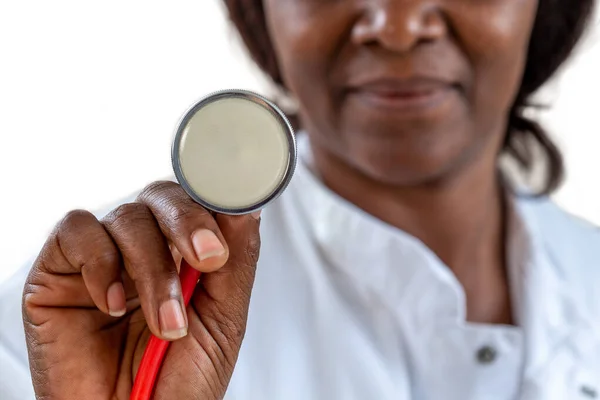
(411, 97)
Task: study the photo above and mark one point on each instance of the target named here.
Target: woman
(399, 264)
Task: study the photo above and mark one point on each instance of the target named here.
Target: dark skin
(406, 105)
(78, 350)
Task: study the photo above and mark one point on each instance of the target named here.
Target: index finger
(189, 226)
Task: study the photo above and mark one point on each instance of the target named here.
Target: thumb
(201, 364)
(223, 296)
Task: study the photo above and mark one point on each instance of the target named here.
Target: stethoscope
(234, 152)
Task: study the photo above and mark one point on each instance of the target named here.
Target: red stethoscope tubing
(156, 349)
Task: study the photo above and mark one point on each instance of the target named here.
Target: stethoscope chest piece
(234, 152)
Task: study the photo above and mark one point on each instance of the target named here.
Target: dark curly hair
(558, 27)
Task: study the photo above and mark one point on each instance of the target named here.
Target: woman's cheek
(314, 30)
(497, 52)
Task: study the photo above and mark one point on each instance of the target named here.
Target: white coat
(347, 307)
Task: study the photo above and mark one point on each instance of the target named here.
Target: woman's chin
(405, 172)
(405, 160)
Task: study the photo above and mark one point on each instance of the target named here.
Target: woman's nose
(399, 25)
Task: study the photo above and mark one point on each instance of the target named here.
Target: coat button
(486, 355)
(589, 392)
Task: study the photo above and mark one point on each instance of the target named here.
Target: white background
(90, 93)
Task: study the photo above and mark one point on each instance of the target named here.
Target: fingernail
(171, 319)
(207, 244)
(115, 299)
(256, 214)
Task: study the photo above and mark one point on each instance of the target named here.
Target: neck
(460, 219)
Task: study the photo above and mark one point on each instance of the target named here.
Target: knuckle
(155, 190)
(75, 219)
(28, 294)
(128, 213)
(68, 238)
(180, 212)
(252, 252)
(181, 216)
(172, 206)
(105, 258)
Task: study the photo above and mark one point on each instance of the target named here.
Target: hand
(99, 288)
